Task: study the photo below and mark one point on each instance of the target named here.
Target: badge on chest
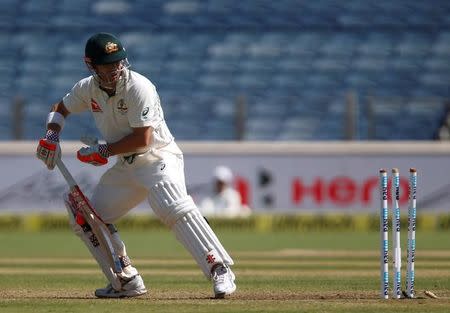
(122, 107)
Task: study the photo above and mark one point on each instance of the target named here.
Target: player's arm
(58, 108)
(140, 138)
(98, 154)
(48, 149)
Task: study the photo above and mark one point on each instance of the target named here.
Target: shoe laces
(220, 273)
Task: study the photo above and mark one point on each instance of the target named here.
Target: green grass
(276, 272)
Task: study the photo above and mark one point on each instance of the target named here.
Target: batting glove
(96, 155)
(48, 149)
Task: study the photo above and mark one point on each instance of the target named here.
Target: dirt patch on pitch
(181, 296)
(165, 295)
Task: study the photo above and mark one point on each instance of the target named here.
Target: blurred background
(242, 70)
(303, 101)
(314, 83)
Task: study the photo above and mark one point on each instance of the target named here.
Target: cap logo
(111, 47)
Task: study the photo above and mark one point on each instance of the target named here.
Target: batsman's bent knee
(170, 202)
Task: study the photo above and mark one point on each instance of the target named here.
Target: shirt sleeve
(146, 107)
(77, 100)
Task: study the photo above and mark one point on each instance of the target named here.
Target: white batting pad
(98, 251)
(199, 239)
(170, 201)
(176, 209)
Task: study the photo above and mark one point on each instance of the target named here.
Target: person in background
(225, 200)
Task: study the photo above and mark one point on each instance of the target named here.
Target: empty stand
(293, 61)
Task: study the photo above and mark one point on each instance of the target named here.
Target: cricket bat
(85, 214)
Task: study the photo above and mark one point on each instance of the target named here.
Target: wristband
(104, 150)
(52, 135)
(56, 118)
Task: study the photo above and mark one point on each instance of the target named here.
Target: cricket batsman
(149, 165)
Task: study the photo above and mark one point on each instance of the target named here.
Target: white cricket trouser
(124, 185)
(160, 179)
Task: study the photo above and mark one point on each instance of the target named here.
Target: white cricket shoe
(133, 288)
(223, 281)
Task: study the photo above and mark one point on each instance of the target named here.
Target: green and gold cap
(104, 48)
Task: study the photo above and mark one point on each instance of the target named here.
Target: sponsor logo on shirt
(145, 112)
(122, 107)
(95, 107)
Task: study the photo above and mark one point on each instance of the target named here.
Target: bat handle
(65, 173)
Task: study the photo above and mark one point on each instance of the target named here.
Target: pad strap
(56, 118)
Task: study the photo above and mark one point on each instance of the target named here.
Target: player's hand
(48, 149)
(96, 155)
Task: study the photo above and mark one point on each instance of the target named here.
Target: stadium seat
(288, 59)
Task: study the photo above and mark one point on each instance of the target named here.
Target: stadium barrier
(273, 177)
(256, 223)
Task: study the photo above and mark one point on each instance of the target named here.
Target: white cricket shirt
(135, 104)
